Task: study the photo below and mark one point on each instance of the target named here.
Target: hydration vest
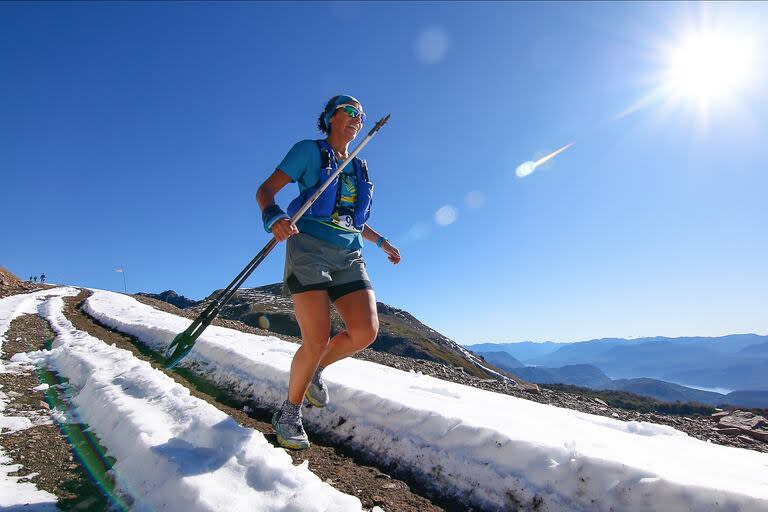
(329, 201)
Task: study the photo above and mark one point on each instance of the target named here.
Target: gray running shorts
(314, 264)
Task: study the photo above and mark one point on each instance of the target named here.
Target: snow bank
(497, 451)
(175, 452)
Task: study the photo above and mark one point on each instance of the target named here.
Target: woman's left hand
(393, 254)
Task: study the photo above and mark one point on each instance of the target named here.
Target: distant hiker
(34, 279)
(42, 278)
(323, 260)
(30, 279)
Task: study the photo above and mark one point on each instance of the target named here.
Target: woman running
(323, 260)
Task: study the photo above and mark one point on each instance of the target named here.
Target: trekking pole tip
(380, 123)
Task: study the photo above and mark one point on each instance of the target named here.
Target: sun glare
(709, 66)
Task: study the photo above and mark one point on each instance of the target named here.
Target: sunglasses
(352, 111)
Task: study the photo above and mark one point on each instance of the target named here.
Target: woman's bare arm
(265, 197)
(372, 235)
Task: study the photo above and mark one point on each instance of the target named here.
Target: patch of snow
(10, 424)
(21, 358)
(15, 494)
(60, 417)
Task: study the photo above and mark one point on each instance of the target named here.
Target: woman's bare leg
(313, 315)
(358, 310)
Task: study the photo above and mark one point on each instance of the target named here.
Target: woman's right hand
(282, 230)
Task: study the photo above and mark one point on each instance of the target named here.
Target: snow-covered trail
(496, 450)
(14, 492)
(26, 304)
(173, 452)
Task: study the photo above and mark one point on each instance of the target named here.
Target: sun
(708, 66)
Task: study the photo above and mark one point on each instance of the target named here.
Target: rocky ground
(52, 464)
(11, 285)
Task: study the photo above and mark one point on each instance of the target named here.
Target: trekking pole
(183, 342)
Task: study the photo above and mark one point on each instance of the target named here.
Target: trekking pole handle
(338, 170)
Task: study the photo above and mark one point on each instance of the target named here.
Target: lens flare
(432, 45)
(446, 215)
(418, 232)
(527, 168)
(474, 199)
(86, 447)
(552, 155)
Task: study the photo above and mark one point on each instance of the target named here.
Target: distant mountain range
(646, 366)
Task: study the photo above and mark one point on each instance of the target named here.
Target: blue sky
(136, 134)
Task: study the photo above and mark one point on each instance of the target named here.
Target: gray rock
(746, 423)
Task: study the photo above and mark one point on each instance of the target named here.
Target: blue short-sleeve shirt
(302, 164)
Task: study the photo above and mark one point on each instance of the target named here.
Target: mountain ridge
(591, 377)
(400, 333)
(734, 361)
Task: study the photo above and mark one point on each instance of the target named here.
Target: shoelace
(290, 416)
